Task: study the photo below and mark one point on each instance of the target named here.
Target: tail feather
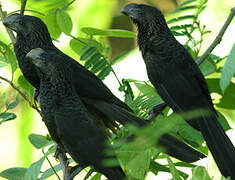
(173, 146)
(219, 145)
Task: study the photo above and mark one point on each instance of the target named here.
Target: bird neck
(152, 31)
(24, 44)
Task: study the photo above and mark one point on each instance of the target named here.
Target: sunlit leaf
(34, 170)
(3, 61)
(187, 2)
(228, 98)
(13, 104)
(50, 20)
(16, 173)
(39, 141)
(6, 116)
(108, 32)
(64, 21)
(208, 66)
(228, 70)
(180, 18)
(174, 172)
(89, 52)
(184, 8)
(200, 173)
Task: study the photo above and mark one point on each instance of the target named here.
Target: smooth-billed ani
(95, 95)
(179, 81)
(75, 129)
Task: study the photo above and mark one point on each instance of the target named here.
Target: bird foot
(156, 110)
(73, 171)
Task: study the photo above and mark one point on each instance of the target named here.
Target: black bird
(74, 129)
(179, 81)
(95, 95)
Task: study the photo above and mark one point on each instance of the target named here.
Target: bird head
(25, 25)
(38, 58)
(145, 17)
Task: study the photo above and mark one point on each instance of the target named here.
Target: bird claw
(156, 110)
(75, 170)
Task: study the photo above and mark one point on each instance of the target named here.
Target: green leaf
(64, 21)
(184, 8)
(6, 116)
(50, 172)
(180, 18)
(34, 169)
(105, 72)
(187, 2)
(77, 46)
(108, 32)
(97, 176)
(3, 61)
(174, 171)
(228, 98)
(223, 121)
(16, 173)
(50, 20)
(89, 52)
(12, 59)
(9, 55)
(27, 87)
(208, 66)
(134, 160)
(228, 70)
(200, 173)
(13, 104)
(39, 141)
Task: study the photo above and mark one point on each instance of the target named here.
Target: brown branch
(21, 93)
(10, 33)
(218, 38)
(64, 165)
(23, 5)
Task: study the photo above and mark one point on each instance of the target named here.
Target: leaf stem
(53, 169)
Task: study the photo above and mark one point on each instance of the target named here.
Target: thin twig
(29, 10)
(78, 39)
(64, 8)
(10, 33)
(21, 93)
(23, 5)
(53, 169)
(218, 37)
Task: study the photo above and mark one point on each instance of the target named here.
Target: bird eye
(20, 22)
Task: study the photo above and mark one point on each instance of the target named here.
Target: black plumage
(179, 81)
(32, 33)
(73, 128)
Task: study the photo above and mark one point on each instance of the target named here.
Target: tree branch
(218, 37)
(64, 165)
(10, 33)
(23, 5)
(21, 93)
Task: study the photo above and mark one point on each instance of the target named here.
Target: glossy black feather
(73, 128)
(179, 82)
(33, 33)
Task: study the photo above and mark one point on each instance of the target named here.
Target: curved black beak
(35, 54)
(11, 20)
(131, 10)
